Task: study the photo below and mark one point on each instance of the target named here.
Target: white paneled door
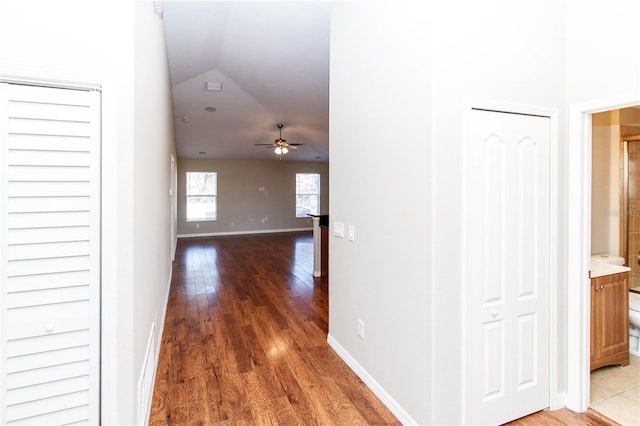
(49, 255)
(508, 250)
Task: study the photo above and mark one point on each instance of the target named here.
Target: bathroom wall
(606, 180)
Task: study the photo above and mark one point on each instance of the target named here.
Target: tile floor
(615, 392)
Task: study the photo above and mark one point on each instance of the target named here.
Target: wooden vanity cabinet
(610, 320)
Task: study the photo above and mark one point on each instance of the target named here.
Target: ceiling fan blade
(263, 144)
(293, 147)
(295, 144)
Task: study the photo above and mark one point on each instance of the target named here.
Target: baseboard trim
(559, 402)
(260, 231)
(159, 330)
(371, 383)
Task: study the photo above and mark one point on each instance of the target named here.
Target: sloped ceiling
(272, 58)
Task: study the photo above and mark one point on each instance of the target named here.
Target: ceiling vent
(214, 86)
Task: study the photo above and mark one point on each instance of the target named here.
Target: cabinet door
(613, 328)
(609, 320)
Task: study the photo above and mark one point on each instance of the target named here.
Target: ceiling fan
(280, 146)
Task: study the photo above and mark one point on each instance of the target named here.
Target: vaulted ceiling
(272, 59)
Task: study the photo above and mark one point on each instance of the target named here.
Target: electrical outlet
(263, 220)
(233, 224)
(360, 328)
(197, 226)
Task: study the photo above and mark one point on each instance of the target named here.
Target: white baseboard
(260, 231)
(371, 383)
(561, 401)
(159, 330)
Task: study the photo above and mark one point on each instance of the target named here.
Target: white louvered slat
(46, 235)
(47, 281)
(46, 359)
(49, 111)
(75, 415)
(47, 220)
(47, 250)
(27, 126)
(27, 157)
(49, 189)
(49, 143)
(30, 332)
(50, 228)
(54, 173)
(48, 204)
(47, 390)
(47, 374)
(44, 297)
(49, 342)
(47, 405)
(47, 266)
(55, 314)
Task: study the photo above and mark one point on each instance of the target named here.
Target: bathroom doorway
(615, 230)
(578, 237)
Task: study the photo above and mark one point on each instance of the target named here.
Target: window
(202, 189)
(307, 194)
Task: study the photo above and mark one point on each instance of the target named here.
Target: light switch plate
(338, 229)
(352, 233)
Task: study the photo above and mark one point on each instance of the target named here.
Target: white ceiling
(272, 58)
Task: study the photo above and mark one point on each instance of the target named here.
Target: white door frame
(555, 400)
(578, 220)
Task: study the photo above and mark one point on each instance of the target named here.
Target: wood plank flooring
(564, 417)
(244, 340)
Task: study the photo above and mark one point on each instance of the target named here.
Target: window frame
(213, 196)
(316, 194)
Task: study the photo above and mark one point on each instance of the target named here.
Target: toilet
(634, 323)
(634, 304)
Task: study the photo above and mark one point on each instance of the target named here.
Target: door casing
(578, 220)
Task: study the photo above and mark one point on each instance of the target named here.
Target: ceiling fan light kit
(280, 146)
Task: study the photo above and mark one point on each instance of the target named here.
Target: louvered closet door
(50, 255)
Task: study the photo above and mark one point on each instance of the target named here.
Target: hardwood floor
(245, 340)
(564, 417)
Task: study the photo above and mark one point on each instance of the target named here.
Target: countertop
(600, 269)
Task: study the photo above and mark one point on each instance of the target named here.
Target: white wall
(154, 146)
(599, 63)
(96, 39)
(397, 105)
(380, 178)
(605, 183)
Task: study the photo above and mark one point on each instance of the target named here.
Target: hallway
(245, 339)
